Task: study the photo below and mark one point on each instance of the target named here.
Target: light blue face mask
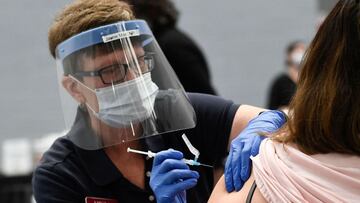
(126, 103)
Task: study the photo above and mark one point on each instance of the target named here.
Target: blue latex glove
(246, 144)
(171, 177)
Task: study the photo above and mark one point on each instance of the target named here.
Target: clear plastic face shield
(117, 86)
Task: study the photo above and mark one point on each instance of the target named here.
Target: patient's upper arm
(220, 194)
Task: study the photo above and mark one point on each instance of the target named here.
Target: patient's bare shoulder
(220, 194)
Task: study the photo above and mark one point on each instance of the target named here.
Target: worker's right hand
(171, 177)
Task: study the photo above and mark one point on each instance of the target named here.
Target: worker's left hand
(246, 144)
(171, 177)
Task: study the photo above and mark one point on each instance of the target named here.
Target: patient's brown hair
(82, 15)
(325, 111)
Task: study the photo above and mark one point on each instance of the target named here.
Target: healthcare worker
(118, 92)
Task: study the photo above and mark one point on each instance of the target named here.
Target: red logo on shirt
(99, 200)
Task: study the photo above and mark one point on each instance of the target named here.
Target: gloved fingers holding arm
(171, 177)
(246, 144)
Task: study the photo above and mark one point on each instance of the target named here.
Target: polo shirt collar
(95, 161)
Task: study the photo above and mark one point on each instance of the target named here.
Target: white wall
(244, 41)
(29, 104)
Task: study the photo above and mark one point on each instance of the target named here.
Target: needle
(152, 154)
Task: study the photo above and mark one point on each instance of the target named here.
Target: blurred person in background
(283, 86)
(183, 54)
(315, 157)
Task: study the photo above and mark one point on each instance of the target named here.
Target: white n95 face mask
(126, 103)
(297, 57)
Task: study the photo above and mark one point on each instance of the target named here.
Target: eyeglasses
(116, 73)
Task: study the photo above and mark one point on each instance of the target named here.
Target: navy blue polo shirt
(67, 173)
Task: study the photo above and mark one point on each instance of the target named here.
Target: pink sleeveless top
(285, 174)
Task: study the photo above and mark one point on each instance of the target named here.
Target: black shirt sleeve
(49, 184)
(214, 117)
(57, 179)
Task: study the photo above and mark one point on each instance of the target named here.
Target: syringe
(152, 154)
